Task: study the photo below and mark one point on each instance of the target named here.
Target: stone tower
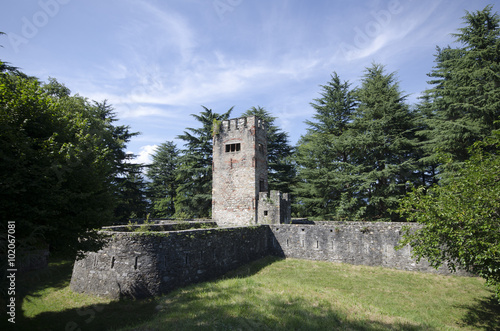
(239, 170)
(240, 194)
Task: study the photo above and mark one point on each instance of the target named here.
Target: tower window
(233, 147)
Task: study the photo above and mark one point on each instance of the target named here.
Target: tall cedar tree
(326, 175)
(194, 193)
(163, 182)
(466, 93)
(385, 143)
(279, 152)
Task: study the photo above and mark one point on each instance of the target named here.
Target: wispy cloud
(156, 30)
(388, 31)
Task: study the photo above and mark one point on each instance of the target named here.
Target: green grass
(274, 294)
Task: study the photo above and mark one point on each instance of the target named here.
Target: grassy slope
(273, 294)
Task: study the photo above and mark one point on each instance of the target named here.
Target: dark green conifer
(384, 138)
(163, 176)
(466, 89)
(326, 175)
(194, 193)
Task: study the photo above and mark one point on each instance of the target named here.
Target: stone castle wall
(359, 243)
(148, 264)
(141, 265)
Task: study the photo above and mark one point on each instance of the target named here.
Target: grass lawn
(272, 294)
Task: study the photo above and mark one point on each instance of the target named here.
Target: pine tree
(385, 143)
(194, 193)
(279, 152)
(163, 182)
(466, 93)
(326, 175)
(131, 195)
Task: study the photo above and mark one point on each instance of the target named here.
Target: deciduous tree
(60, 157)
(461, 218)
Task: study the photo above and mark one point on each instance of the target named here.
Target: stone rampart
(362, 243)
(148, 264)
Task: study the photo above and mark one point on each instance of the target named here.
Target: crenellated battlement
(243, 123)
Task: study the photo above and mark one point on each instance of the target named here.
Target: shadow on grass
(93, 317)
(484, 314)
(279, 313)
(243, 305)
(57, 275)
(212, 307)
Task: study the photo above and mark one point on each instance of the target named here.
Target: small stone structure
(240, 194)
(141, 264)
(274, 208)
(138, 265)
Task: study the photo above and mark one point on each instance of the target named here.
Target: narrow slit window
(233, 147)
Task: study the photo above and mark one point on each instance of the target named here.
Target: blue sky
(157, 61)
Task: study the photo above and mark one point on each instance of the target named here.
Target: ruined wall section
(149, 264)
(239, 171)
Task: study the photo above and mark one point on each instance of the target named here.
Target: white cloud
(145, 153)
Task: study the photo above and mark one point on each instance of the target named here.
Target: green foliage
(60, 157)
(194, 174)
(145, 226)
(131, 188)
(383, 128)
(462, 216)
(366, 146)
(464, 102)
(163, 180)
(216, 127)
(357, 156)
(279, 152)
(326, 175)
